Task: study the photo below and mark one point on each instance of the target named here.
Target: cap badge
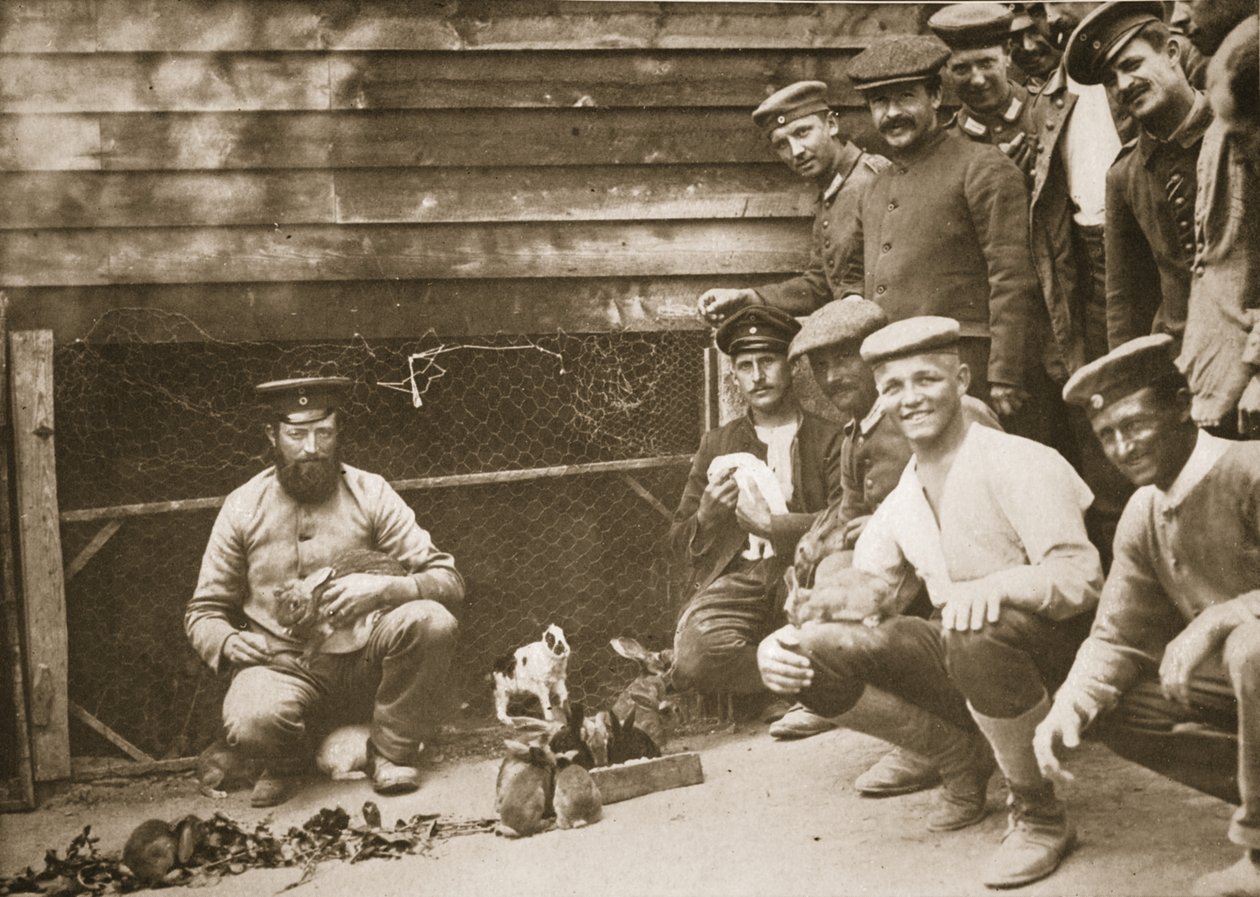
(1096, 401)
(782, 120)
(752, 329)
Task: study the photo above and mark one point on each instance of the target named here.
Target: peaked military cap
(911, 336)
(757, 327)
(1103, 33)
(1135, 365)
(848, 320)
(303, 400)
(970, 26)
(790, 103)
(891, 60)
(1021, 19)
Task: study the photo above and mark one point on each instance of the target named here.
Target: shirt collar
(872, 419)
(975, 125)
(1207, 451)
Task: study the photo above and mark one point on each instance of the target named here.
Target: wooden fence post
(39, 537)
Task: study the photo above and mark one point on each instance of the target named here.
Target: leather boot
(1038, 837)
(961, 758)
(897, 772)
(1038, 834)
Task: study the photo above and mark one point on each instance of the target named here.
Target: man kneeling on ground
(872, 457)
(993, 525)
(735, 549)
(1173, 662)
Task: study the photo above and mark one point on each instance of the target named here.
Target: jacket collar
(923, 150)
(850, 155)
(978, 125)
(1188, 133)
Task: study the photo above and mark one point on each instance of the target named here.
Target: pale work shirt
(1011, 515)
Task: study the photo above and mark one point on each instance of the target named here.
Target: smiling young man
(944, 229)
(805, 134)
(394, 635)
(992, 525)
(1149, 234)
(1171, 668)
(734, 594)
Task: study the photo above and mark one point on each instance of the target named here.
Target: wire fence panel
(466, 428)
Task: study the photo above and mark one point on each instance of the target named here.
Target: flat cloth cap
(891, 60)
(912, 336)
(1103, 33)
(303, 400)
(842, 321)
(970, 26)
(790, 103)
(757, 328)
(1135, 365)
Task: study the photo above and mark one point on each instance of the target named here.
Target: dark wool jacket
(816, 483)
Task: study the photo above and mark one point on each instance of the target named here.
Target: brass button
(892, 206)
(880, 290)
(826, 222)
(887, 247)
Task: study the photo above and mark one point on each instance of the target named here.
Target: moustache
(1132, 94)
(900, 121)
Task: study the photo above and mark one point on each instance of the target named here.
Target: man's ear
(935, 96)
(1174, 49)
(270, 429)
(833, 125)
(1184, 401)
(964, 378)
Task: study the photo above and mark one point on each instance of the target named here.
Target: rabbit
(648, 692)
(626, 741)
(827, 536)
(524, 787)
(155, 847)
(595, 733)
(577, 799)
(570, 738)
(221, 767)
(841, 594)
(299, 604)
(343, 753)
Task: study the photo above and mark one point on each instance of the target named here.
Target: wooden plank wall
(315, 168)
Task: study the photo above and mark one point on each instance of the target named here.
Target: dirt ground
(771, 818)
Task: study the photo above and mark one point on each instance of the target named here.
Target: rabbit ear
(187, 836)
(516, 748)
(628, 722)
(629, 649)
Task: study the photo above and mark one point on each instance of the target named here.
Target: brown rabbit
(841, 593)
(577, 798)
(299, 603)
(524, 787)
(647, 696)
(155, 847)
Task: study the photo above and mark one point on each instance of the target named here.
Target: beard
(308, 481)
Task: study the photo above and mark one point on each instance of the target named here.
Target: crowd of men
(1037, 317)
(1039, 320)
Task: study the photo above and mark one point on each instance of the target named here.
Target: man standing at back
(805, 134)
(944, 229)
(1151, 187)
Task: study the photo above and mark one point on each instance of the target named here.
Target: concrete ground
(771, 818)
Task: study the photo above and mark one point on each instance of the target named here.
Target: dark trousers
(1213, 745)
(1002, 670)
(715, 642)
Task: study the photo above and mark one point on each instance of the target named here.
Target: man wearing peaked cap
(872, 457)
(805, 134)
(1174, 652)
(1150, 190)
(943, 230)
(389, 637)
(731, 537)
(992, 525)
(994, 108)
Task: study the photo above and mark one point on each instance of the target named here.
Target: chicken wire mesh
(172, 419)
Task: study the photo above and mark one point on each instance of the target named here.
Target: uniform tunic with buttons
(1150, 231)
(263, 539)
(834, 233)
(944, 231)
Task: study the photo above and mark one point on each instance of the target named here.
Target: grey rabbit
(526, 780)
(841, 594)
(626, 741)
(577, 798)
(155, 847)
(648, 693)
(221, 768)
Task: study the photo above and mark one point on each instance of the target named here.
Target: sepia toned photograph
(553, 447)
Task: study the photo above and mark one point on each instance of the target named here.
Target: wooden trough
(638, 777)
